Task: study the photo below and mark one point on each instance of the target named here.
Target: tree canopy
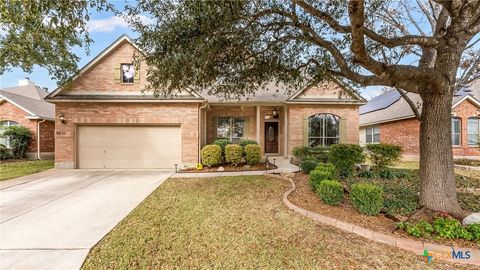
(44, 33)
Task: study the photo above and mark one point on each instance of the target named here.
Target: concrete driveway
(52, 222)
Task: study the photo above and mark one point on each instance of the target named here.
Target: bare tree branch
(410, 102)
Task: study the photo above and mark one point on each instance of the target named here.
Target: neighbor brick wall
(405, 133)
(296, 114)
(8, 111)
(465, 110)
(185, 114)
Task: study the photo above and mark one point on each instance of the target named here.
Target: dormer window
(127, 73)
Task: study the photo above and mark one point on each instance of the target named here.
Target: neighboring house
(104, 121)
(24, 105)
(389, 119)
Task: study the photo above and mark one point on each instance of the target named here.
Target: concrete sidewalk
(53, 222)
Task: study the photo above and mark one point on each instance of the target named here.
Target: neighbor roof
(390, 106)
(29, 98)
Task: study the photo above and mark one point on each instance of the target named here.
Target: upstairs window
(232, 128)
(456, 131)
(473, 131)
(127, 73)
(3, 125)
(323, 129)
(372, 134)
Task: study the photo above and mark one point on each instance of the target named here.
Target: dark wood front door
(271, 137)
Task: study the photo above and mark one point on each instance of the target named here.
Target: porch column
(285, 131)
(258, 125)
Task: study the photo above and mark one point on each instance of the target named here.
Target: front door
(271, 137)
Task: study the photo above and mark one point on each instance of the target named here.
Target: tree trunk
(437, 189)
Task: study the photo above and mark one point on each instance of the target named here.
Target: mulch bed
(231, 168)
(304, 197)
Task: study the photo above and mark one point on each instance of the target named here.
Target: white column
(258, 125)
(285, 131)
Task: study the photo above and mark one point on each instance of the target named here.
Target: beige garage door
(128, 147)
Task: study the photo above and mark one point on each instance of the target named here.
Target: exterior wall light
(62, 118)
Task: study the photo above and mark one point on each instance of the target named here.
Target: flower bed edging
(410, 245)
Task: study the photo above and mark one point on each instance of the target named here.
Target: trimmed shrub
(308, 165)
(327, 167)
(253, 153)
(387, 174)
(19, 138)
(211, 155)
(246, 142)
(330, 191)
(222, 143)
(233, 154)
(344, 157)
(367, 198)
(4, 152)
(317, 176)
(383, 155)
(367, 174)
(318, 153)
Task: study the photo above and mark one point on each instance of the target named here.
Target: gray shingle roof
(30, 98)
(390, 106)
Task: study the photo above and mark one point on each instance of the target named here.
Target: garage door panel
(128, 146)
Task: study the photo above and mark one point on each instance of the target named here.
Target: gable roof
(29, 98)
(271, 93)
(390, 106)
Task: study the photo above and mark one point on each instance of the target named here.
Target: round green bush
(383, 155)
(367, 198)
(308, 165)
(211, 155)
(330, 191)
(253, 153)
(246, 142)
(344, 157)
(19, 137)
(302, 153)
(233, 154)
(328, 168)
(316, 176)
(222, 143)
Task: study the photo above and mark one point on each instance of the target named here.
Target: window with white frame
(323, 129)
(232, 128)
(372, 134)
(4, 125)
(127, 73)
(473, 131)
(456, 131)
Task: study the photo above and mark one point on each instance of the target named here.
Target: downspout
(200, 122)
(38, 137)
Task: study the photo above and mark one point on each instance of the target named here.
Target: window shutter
(305, 130)
(136, 78)
(214, 127)
(343, 130)
(116, 74)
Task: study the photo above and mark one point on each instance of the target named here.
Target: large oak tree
(233, 48)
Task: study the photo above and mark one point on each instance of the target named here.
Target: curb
(413, 246)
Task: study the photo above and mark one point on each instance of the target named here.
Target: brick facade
(297, 113)
(11, 112)
(183, 114)
(406, 133)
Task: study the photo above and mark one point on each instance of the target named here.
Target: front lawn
(236, 223)
(9, 170)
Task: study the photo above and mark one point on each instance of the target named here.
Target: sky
(104, 29)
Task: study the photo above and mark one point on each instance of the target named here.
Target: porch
(265, 123)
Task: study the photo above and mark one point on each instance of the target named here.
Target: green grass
(235, 223)
(11, 170)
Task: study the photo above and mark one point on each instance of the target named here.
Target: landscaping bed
(232, 168)
(306, 198)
